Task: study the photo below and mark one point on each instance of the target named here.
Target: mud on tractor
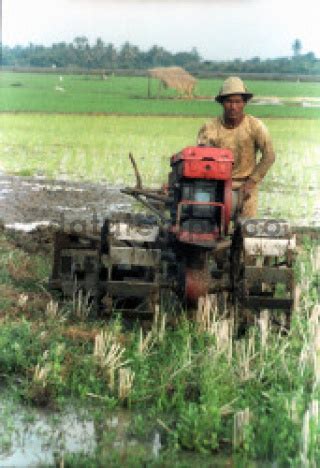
(193, 244)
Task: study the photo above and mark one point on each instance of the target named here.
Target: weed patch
(199, 386)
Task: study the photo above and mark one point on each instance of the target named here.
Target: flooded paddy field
(32, 204)
(189, 390)
(66, 168)
(37, 206)
(43, 92)
(33, 437)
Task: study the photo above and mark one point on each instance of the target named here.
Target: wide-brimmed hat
(233, 85)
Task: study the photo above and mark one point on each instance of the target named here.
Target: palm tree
(297, 47)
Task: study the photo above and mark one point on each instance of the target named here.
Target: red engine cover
(207, 163)
(204, 162)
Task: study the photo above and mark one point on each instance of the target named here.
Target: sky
(219, 29)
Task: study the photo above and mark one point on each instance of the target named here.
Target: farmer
(244, 135)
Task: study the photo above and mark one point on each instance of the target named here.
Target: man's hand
(247, 188)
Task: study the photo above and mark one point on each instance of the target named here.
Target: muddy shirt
(245, 141)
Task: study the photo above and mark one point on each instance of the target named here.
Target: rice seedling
(97, 147)
(246, 353)
(310, 436)
(126, 379)
(47, 376)
(128, 95)
(159, 325)
(264, 327)
(210, 321)
(315, 259)
(108, 354)
(206, 313)
(52, 310)
(40, 375)
(145, 344)
(22, 300)
(81, 305)
(240, 422)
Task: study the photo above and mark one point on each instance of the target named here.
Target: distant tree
(157, 57)
(129, 55)
(196, 57)
(111, 56)
(310, 57)
(297, 47)
(80, 42)
(254, 60)
(100, 55)
(185, 59)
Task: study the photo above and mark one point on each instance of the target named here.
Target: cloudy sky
(219, 29)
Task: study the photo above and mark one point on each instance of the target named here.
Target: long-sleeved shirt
(245, 141)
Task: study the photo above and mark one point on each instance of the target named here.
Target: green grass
(24, 92)
(97, 147)
(189, 381)
(283, 89)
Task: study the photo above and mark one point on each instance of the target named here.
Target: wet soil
(32, 208)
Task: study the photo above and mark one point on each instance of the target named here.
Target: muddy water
(276, 101)
(31, 437)
(26, 202)
(30, 202)
(35, 437)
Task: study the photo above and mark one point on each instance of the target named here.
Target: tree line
(100, 55)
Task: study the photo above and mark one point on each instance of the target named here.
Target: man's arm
(263, 143)
(202, 138)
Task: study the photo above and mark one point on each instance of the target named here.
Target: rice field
(39, 136)
(197, 386)
(27, 92)
(96, 148)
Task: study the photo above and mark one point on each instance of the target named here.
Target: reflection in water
(40, 437)
(156, 445)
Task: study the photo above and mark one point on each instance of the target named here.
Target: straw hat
(233, 85)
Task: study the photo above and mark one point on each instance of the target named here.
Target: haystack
(176, 78)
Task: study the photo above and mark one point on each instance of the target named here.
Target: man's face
(233, 106)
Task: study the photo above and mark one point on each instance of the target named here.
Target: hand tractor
(194, 243)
